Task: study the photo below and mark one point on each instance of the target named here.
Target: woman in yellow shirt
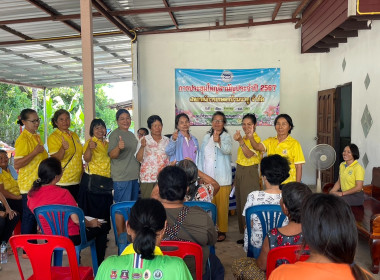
(29, 152)
(247, 174)
(8, 183)
(284, 145)
(65, 145)
(99, 163)
(351, 177)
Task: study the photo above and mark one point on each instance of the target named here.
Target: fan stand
(319, 184)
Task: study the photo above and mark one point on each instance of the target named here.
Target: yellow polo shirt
(10, 184)
(289, 148)
(73, 171)
(348, 175)
(100, 163)
(24, 145)
(242, 160)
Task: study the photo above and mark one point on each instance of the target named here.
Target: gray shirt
(125, 167)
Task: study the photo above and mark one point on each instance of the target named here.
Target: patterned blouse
(277, 239)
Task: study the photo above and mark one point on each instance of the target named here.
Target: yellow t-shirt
(100, 163)
(242, 160)
(24, 145)
(348, 175)
(73, 170)
(289, 148)
(10, 184)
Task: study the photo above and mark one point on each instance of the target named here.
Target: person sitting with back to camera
(188, 223)
(329, 229)
(293, 195)
(146, 225)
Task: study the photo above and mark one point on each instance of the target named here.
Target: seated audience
(351, 177)
(188, 223)
(8, 183)
(329, 228)
(45, 192)
(293, 195)
(205, 189)
(146, 226)
(274, 170)
(8, 220)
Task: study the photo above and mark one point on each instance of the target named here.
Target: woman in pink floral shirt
(151, 154)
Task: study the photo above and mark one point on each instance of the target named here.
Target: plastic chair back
(57, 216)
(183, 249)
(40, 257)
(206, 206)
(121, 208)
(270, 216)
(286, 254)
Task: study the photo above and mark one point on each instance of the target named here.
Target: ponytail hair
(147, 218)
(47, 171)
(24, 115)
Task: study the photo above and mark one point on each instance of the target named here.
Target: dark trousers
(16, 205)
(73, 189)
(28, 221)
(7, 226)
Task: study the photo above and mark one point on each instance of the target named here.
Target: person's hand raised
(65, 144)
(237, 136)
(92, 145)
(216, 136)
(175, 135)
(121, 143)
(143, 142)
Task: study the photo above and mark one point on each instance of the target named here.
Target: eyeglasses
(35, 121)
(218, 121)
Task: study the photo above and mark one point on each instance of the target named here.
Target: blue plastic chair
(122, 208)
(270, 216)
(57, 216)
(208, 207)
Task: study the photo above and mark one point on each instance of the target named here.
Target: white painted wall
(362, 55)
(243, 48)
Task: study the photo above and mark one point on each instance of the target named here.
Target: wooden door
(326, 127)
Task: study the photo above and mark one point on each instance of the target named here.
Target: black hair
(293, 195)
(250, 116)
(147, 217)
(94, 123)
(24, 115)
(218, 113)
(3, 152)
(178, 117)
(329, 228)
(47, 170)
(354, 151)
(191, 171)
(172, 183)
(56, 115)
(122, 111)
(275, 168)
(287, 118)
(143, 129)
(152, 119)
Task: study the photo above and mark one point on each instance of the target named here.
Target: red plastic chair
(183, 249)
(40, 256)
(289, 254)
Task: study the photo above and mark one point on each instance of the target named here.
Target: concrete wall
(362, 57)
(244, 48)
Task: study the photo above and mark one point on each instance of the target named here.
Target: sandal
(221, 236)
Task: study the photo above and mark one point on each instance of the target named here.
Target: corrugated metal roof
(54, 58)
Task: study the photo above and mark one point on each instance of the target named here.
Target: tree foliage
(13, 99)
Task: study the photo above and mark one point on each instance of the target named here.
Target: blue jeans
(125, 190)
(28, 221)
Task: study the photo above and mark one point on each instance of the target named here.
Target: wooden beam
(339, 33)
(355, 25)
(323, 45)
(308, 13)
(275, 12)
(331, 40)
(317, 50)
(21, 84)
(111, 19)
(224, 13)
(174, 20)
(299, 8)
(249, 24)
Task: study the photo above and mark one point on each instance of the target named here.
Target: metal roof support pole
(87, 64)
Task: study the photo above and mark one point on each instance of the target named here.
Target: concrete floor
(226, 251)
